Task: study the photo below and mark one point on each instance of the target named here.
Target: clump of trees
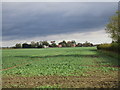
(33, 44)
(45, 44)
(113, 29)
(68, 44)
(53, 44)
(87, 44)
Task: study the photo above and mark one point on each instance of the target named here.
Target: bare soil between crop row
(95, 79)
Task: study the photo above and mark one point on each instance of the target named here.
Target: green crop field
(59, 68)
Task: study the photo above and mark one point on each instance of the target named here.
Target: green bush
(110, 47)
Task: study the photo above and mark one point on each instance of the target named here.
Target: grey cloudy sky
(24, 22)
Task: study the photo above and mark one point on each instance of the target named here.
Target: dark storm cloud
(25, 20)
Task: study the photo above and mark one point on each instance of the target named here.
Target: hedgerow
(110, 47)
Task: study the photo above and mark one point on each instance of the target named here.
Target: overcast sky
(26, 22)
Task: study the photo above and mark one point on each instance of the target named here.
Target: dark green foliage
(79, 45)
(33, 44)
(63, 43)
(43, 44)
(112, 27)
(68, 44)
(110, 47)
(18, 45)
(87, 44)
(53, 44)
(25, 45)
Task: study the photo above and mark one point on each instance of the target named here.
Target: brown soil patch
(94, 80)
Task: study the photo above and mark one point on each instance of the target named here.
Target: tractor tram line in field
(17, 65)
(21, 64)
(14, 66)
(15, 62)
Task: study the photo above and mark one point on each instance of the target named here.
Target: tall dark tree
(113, 27)
(33, 44)
(79, 45)
(71, 43)
(25, 45)
(63, 43)
(53, 44)
(45, 43)
(18, 45)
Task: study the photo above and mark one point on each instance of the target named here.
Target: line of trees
(45, 44)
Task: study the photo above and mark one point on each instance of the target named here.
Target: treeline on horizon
(46, 44)
(112, 28)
